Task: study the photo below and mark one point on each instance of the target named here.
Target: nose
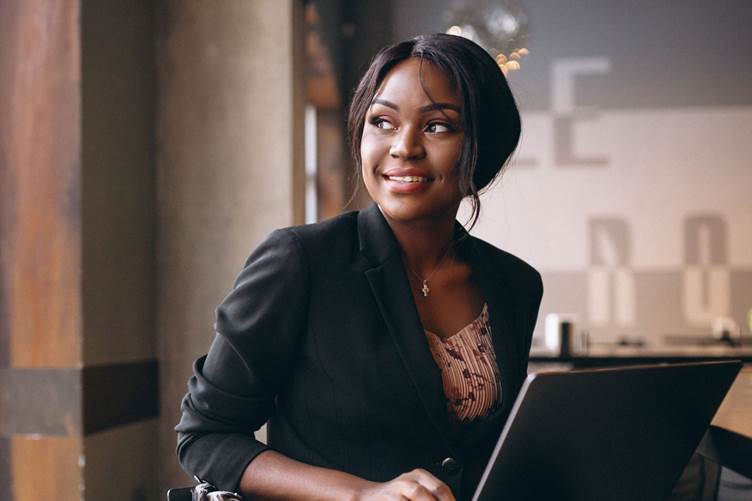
(407, 144)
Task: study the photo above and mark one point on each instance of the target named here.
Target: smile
(408, 179)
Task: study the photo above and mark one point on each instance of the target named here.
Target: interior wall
(122, 463)
(630, 187)
(118, 180)
(118, 227)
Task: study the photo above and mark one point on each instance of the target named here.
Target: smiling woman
(410, 145)
(473, 97)
(385, 347)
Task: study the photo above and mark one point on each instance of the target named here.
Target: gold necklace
(426, 289)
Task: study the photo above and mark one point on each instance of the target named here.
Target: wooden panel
(40, 264)
(729, 439)
(45, 468)
(735, 413)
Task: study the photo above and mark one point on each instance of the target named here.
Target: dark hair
(490, 118)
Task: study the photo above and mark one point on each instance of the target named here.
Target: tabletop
(729, 439)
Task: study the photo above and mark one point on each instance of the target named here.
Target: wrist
(357, 491)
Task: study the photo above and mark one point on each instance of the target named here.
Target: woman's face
(411, 144)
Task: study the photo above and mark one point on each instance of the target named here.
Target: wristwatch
(207, 492)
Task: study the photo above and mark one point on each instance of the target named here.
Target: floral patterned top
(469, 371)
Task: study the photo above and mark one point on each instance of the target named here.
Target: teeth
(408, 179)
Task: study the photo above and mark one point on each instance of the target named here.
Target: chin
(413, 211)
(402, 214)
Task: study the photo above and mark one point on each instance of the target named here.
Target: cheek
(450, 158)
(365, 155)
(367, 164)
(365, 173)
(369, 153)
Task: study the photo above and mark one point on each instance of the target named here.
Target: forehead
(403, 83)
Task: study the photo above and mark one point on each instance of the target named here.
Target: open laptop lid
(615, 434)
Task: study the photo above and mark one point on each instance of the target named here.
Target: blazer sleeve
(231, 393)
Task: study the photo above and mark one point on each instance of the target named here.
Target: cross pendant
(425, 289)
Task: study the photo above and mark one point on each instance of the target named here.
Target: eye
(382, 123)
(438, 127)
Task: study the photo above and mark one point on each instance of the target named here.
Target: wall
(118, 231)
(630, 190)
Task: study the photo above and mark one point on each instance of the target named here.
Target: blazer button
(450, 465)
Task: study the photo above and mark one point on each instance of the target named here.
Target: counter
(728, 442)
(609, 355)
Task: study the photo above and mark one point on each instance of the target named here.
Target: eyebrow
(423, 109)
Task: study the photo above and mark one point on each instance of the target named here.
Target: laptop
(605, 434)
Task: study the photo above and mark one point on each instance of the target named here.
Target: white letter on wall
(707, 281)
(566, 112)
(611, 287)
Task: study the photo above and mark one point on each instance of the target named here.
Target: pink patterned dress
(469, 371)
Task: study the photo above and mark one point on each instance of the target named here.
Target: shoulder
(329, 236)
(511, 268)
(329, 239)
(338, 227)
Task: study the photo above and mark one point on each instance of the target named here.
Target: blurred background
(146, 147)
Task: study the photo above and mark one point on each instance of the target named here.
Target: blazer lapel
(391, 290)
(501, 309)
(502, 317)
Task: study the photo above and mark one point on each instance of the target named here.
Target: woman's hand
(416, 485)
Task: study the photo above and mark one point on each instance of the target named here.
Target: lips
(407, 180)
(407, 175)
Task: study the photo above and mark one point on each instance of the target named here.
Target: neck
(424, 243)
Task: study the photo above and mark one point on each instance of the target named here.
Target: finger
(415, 491)
(438, 489)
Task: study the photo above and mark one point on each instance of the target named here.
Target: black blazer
(321, 337)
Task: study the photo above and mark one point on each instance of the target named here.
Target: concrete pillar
(230, 167)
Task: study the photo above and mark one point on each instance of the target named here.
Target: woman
(384, 347)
